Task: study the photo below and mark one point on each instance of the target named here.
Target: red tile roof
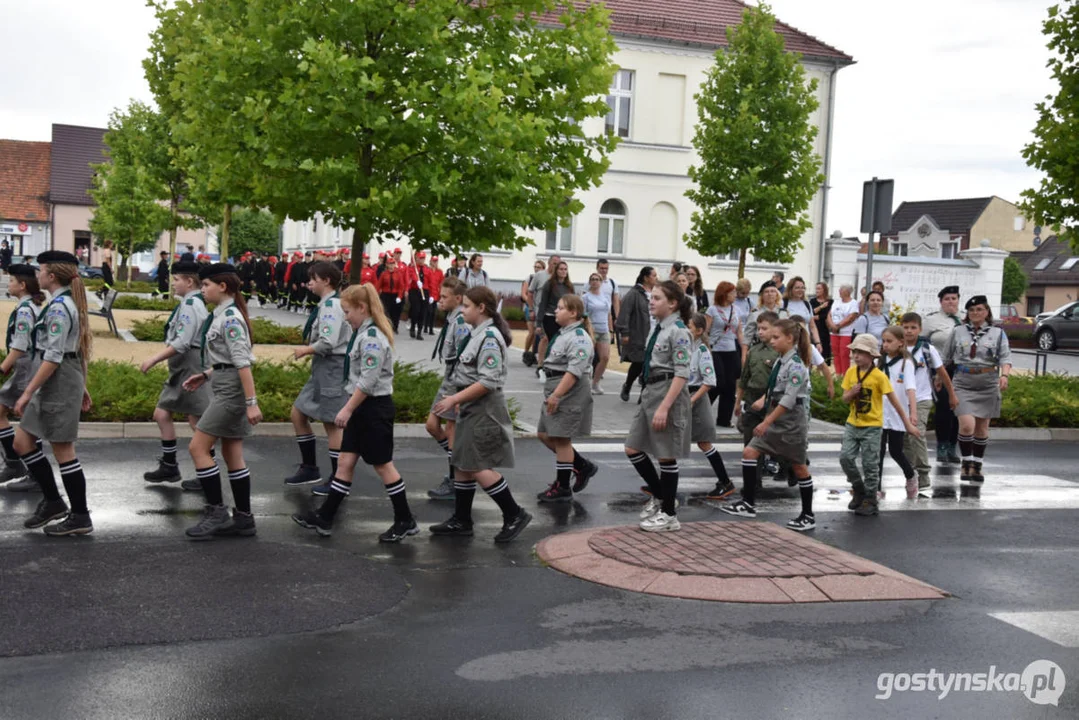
(24, 180)
(703, 22)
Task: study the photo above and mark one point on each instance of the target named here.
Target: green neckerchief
(314, 316)
(348, 353)
(887, 366)
(648, 352)
(11, 320)
(550, 344)
(42, 318)
(202, 338)
(772, 378)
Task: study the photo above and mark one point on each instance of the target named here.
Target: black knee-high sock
(464, 492)
(7, 439)
(805, 489)
(306, 444)
(339, 490)
(580, 462)
(979, 444)
(644, 467)
(716, 461)
(966, 447)
(668, 480)
(396, 491)
(39, 468)
(168, 451)
(500, 493)
(749, 481)
(210, 479)
(562, 473)
(334, 455)
(74, 485)
(444, 443)
(240, 482)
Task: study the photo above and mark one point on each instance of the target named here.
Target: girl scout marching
(19, 364)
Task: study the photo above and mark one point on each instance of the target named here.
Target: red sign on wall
(23, 227)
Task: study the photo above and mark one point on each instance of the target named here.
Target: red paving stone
(755, 562)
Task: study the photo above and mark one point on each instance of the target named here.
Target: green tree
(1015, 282)
(456, 124)
(128, 212)
(253, 231)
(758, 169)
(1055, 149)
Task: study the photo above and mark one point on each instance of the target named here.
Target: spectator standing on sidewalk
(475, 275)
(724, 338)
(557, 286)
(633, 325)
(842, 315)
(597, 307)
(822, 307)
(5, 255)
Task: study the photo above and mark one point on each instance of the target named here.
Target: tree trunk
(223, 241)
(360, 236)
(742, 263)
(130, 254)
(172, 234)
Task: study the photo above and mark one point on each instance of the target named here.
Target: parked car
(90, 272)
(1010, 319)
(1060, 329)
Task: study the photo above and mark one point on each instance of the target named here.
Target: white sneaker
(661, 522)
(651, 508)
(597, 390)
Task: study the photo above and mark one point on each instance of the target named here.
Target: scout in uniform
(453, 333)
(20, 336)
(753, 383)
(938, 329)
(184, 355)
(49, 411)
(567, 410)
(367, 417)
(983, 361)
(702, 379)
(661, 426)
(928, 368)
(226, 361)
(483, 439)
(326, 336)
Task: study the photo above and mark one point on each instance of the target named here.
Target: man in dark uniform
(310, 299)
(281, 288)
(188, 256)
(263, 278)
(298, 281)
(246, 271)
(163, 274)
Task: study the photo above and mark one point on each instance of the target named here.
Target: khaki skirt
(574, 415)
(323, 395)
(484, 435)
(173, 397)
(787, 437)
(444, 391)
(979, 395)
(227, 415)
(674, 441)
(16, 384)
(702, 421)
(53, 412)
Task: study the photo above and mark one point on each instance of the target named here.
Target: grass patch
(263, 331)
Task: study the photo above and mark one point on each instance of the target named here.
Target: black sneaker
(399, 530)
(452, 527)
(624, 394)
(13, 471)
(164, 473)
(555, 494)
(721, 491)
(590, 470)
(313, 521)
(512, 528)
(46, 512)
(867, 508)
(444, 491)
(214, 517)
(304, 475)
(976, 473)
(322, 489)
(193, 485)
(241, 525)
(73, 524)
(802, 523)
(27, 484)
(857, 497)
(740, 509)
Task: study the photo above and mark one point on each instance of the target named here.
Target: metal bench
(106, 311)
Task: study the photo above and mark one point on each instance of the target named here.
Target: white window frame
(894, 247)
(1069, 263)
(954, 245)
(608, 220)
(561, 239)
(621, 88)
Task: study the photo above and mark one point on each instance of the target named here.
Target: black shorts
(369, 432)
(550, 326)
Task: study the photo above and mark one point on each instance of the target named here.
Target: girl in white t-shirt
(897, 364)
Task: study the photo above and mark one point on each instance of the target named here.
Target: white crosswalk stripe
(1060, 627)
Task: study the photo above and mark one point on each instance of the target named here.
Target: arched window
(612, 228)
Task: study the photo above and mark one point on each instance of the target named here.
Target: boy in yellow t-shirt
(865, 387)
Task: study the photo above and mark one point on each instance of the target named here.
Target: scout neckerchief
(918, 352)
(550, 344)
(14, 316)
(313, 317)
(648, 352)
(726, 320)
(42, 317)
(860, 379)
(222, 306)
(886, 366)
(348, 352)
(772, 378)
(975, 336)
(437, 352)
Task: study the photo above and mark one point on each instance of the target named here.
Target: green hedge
(123, 394)
(1046, 401)
(137, 286)
(134, 302)
(512, 314)
(263, 330)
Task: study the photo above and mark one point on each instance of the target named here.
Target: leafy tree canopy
(1015, 282)
(254, 231)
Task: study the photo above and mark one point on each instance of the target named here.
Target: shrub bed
(136, 286)
(134, 302)
(263, 331)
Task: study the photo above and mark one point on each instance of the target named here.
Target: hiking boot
(13, 471)
(953, 455)
(452, 527)
(661, 522)
(313, 521)
(400, 529)
(976, 473)
(740, 509)
(304, 475)
(214, 517)
(721, 491)
(46, 512)
(27, 484)
(650, 508)
(194, 485)
(164, 473)
(512, 528)
(867, 508)
(968, 469)
(444, 491)
(857, 497)
(240, 525)
(802, 523)
(73, 524)
(555, 494)
(581, 482)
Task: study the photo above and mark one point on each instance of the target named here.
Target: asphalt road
(134, 622)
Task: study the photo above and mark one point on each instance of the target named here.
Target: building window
(1043, 263)
(899, 248)
(561, 240)
(948, 250)
(612, 228)
(620, 102)
(1069, 263)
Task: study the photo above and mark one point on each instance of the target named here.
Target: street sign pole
(872, 227)
(876, 217)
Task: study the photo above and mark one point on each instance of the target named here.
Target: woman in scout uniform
(784, 430)
(184, 354)
(983, 362)
(61, 347)
(326, 336)
(367, 417)
(20, 336)
(226, 359)
(702, 378)
(454, 331)
(567, 412)
(484, 436)
(661, 426)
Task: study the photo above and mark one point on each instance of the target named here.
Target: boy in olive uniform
(753, 383)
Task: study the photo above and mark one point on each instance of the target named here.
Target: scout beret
(766, 285)
(57, 256)
(216, 269)
(977, 300)
(948, 290)
(185, 268)
(21, 270)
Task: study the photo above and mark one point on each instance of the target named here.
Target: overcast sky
(941, 98)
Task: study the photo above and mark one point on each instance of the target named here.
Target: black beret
(767, 284)
(57, 256)
(185, 267)
(948, 290)
(977, 300)
(215, 269)
(21, 270)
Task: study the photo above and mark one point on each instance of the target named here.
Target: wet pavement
(134, 622)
